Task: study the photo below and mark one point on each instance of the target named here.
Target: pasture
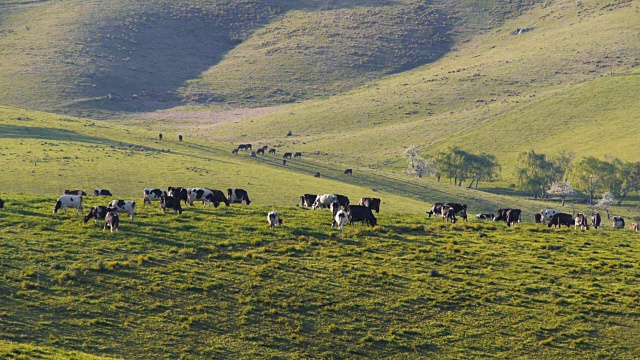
(218, 283)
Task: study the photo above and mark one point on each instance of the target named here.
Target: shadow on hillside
(21, 132)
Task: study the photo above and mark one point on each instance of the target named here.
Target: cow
(581, 221)
(618, 222)
(111, 221)
(234, 151)
(371, 203)
(260, 152)
(560, 219)
(238, 196)
(485, 216)
(264, 147)
(1, 204)
(102, 192)
(343, 200)
(287, 155)
(547, 214)
(178, 192)
(68, 201)
(316, 175)
(297, 155)
(340, 219)
(244, 147)
(348, 172)
(74, 192)
(335, 207)
(435, 210)
(596, 220)
(124, 206)
(171, 203)
(207, 196)
(537, 218)
(97, 213)
(324, 201)
(459, 209)
(634, 227)
(513, 216)
(160, 136)
(150, 195)
(448, 214)
(272, 151)
(307, 200)
(179, 137)
(284, 162)
(361, 213)
(274, 219)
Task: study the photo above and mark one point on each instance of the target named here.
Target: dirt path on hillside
(195, 117)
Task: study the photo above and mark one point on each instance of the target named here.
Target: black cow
(537, 218)
(238, 196)
(234, 151)
(217, 198)
(485, 216)
(75, 192)
(560, 219)
(348, 172)
(179, 137)
(287, 155)
(1, 204)
(513, 216)
(459, 209)
(361, 213)
(297, 155)
(260, 152)
(435, 210)
(102, 192)
(111, 221)
(160, 136)
(316, 175)
(170, 202)
(448, 214)
(343, 200)
(284, 162)
(596, 220)
(307, 200)
(244, 146)
(178, 192)
(272, 151)
(371, 203)
(97, 213)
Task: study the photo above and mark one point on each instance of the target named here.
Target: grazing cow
(560, 219)
(260, 151)
(207, 196)
(371, 203)
(596, 220)
(264, 147)
(238, 196)
(513, 216)
(274, 219)
(68, 201)
(324, 201)
(502, 215)
(150, 195)
(537, 218)
(102, 192)
(348, 172)
(97, 213)
(581, 221)
(335, 207)
(316, 175)
(272, 151)
(178, 192)
(234, 151)
(634, 227)
(436, 210)
(297, 155)
(361, 213)
(75, 192)
(243, 147)
(1, 204)
(284, 162)
(111, 221)
(171, 203)
(547, 214)
(287, 155)
(459, 209)
(307, 200)
(179, 137)
(618, 222)
(343, 200)
(124, 206)
(340, 219)
(448, 214)
(485, 216)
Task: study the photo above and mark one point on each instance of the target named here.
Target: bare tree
(606, 201)
(412, 153)
(561, 189)
(423, 167)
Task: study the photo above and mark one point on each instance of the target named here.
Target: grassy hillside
(218, 283)
(570, 82)
(12, 350)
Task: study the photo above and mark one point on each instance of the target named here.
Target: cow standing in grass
(68, 201)
(97, 213)
(274, 219)
(581, 221)
(111, 221)
(340, 219)
(124, 206)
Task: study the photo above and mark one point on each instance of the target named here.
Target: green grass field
(218, 283)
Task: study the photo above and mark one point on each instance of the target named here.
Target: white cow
(341, 219)
(547, 214)
(124, 206)
(274, 219)
(68, 201)
(324, 201)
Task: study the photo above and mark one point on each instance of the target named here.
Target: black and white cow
(581, 221)
(547, 214)
(111, 221)
(361, 213)
(324, 201)
(560, 219)
(485, 216)
(152, 195)
(537, 218)
(340, 219)
(238, 196)
(75, 192)
(124, 206)
(170, 202)
(510, 216)
(371, 203)
(459, 209)
(297, 155)
(334, 207)
(307, 200)
(448, 214)
(274, 219)
(68, 201)
(596, 220)
(618, 222)
(102, 192)
(178, 192)
(97, 213)
(435, 210)
(207, 196)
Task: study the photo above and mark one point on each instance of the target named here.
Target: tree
(483, 167)
(411, 153)
(423, 167)
(561, 189)
(562, 165)
(628, 175)
(606, 201)
(585, 176)
(533, 172)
